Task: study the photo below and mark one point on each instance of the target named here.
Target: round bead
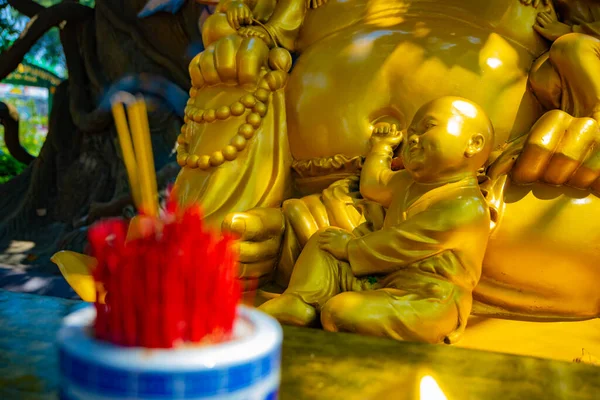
(261, 109)
(182, 159)
(262, 95)
(229, 152)
(280, 59)
(187, 119)
(254, 120)
(181, 149)
(276, 80)
(190, 101)
(181, 139)
(263, 84)
(217, 159)
(183, 129)
(192, 161)
(210, 115)
(193, 92)
(248, 100)
(204, 162)
(237, 109)
(223, 112)
(198, 115)
(239, 142)
(246, 130)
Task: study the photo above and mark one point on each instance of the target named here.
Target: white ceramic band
(247, 367)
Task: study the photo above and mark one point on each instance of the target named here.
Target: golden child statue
(265, 19)
(566, 77)
(412, 279)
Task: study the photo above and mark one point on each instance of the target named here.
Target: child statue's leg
(429, 311)
(316, 278)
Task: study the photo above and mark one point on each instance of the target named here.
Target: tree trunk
(80, 166)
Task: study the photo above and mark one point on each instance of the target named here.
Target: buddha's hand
(259, 232)
(238, 14)
(561, 150)
(548, 25)
(386, 134)
(335, 242)
(536, 3)
(230, 60)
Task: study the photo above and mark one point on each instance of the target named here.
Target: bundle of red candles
(172, 285)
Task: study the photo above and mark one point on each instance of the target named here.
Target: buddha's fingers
(595, 187)
(254, 252)
(255, 225)
(542, 142)
(208, 66)
(577, 142)
(252, 284)
(252, 56)
(587, 175)
(257, 269)
(225, 58)
(195, 73)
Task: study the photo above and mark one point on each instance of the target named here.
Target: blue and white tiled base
(246, 368)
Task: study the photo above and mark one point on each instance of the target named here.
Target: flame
(430, 390)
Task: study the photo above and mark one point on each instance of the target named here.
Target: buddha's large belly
(346, 80)
(543, 260)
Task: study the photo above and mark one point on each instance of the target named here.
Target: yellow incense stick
(118, 110)
(148, 151)
(145, 165)
(138, 158)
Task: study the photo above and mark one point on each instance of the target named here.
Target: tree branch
(39, 24)
(9, 118)
(27, 7)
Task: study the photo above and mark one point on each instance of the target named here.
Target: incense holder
(245, 367)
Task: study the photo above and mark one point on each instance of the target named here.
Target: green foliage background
(46, 53)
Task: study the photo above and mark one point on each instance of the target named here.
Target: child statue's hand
(535, 3)
(256, 31)
(335, 242)
(387, 134)
(550, 27)
(238, 14)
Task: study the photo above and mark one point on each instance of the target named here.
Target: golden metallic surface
(363, 65)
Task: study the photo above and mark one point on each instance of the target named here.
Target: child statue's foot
(289, 309)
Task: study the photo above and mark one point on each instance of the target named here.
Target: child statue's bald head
(448, 137)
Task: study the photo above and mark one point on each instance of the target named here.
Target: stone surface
(316, 364)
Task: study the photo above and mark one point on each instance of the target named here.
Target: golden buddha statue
(412, 279)
(276, 153)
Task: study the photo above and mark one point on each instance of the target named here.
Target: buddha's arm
(424, 235)
(377, 174)
(286, 21)
(591, 28)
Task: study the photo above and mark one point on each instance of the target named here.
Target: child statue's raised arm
(377, 171)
